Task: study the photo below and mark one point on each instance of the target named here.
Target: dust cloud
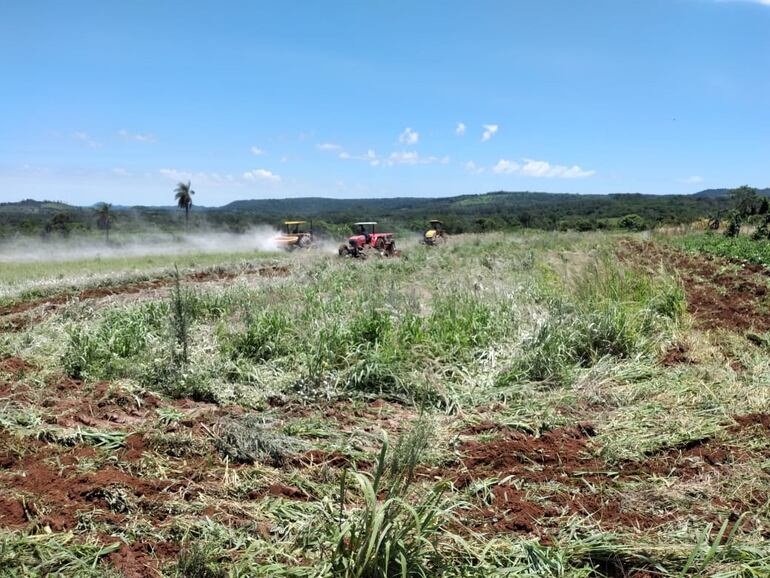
(22, 250)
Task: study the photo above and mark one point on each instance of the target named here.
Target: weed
(249, 440)
(388, 536)
(197, 561)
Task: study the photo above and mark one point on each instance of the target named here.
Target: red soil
(12, 513)
(718, 297)
(16, 366)
(591, 487)
(142, 559)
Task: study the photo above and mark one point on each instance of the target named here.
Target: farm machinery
(435, 233)
(294, 236)
(366, 240)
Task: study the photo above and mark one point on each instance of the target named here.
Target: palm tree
(183, 198)
(104, 219)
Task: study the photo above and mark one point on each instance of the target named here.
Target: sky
(119, 101)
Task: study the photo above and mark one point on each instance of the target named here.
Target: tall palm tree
(104, 219)
(183, 198)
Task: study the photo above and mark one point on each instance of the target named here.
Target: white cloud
(138, 137)
(413, 158)
(460, 129)
(409, 137)
(261, 175)
(540, 169)
(695, 178)
(121, 172)
(395, 158)
(472, 168)
(489, 131)
(256, 151)
(328, 146)
(370, 156)
(84, 137)
(176, 175)
(199, 178)
(404, 158)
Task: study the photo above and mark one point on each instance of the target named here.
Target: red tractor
(366, 239)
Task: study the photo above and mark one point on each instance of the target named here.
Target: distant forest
(467, 213)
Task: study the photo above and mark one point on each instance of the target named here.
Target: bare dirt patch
(142, 559)
(719, 294)
(517, 467)
(15, 366)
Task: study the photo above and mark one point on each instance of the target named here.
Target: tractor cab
(365, 237)
(366, 229)
(294, 235)
(293, 227)
(435, 233)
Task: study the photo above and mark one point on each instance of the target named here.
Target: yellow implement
(294, 236)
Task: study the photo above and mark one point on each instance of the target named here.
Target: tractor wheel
(380, 244)
(304, 243)
(343, 250)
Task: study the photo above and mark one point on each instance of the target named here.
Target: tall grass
(389, 536)
(611, 311)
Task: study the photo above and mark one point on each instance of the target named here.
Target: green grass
(743, 248)
(263, 402)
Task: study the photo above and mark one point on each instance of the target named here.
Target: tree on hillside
(59, 224)
(733, 224)
(746, 200)
(632, 223)
(104, 219)
(183, 196)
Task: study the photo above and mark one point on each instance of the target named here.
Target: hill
(719, 193)
(500, 210)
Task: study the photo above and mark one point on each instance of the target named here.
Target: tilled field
(548, 411)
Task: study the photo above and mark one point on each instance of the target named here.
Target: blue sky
(118, 101)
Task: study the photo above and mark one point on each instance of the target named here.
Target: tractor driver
(362, 231)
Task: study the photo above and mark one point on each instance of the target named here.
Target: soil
(15, 366)
(100, 407)
(590, 487)
(719, 294)
(677, 354)
(142, 559)
(12, 514)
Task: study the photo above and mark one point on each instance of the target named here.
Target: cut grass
(271, 457)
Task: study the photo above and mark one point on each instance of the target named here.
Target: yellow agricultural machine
(435, 233)
(294, 236)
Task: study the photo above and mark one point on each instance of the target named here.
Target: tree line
(496, 211)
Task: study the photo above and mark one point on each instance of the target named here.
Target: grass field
(504, 405)
(742, 248)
